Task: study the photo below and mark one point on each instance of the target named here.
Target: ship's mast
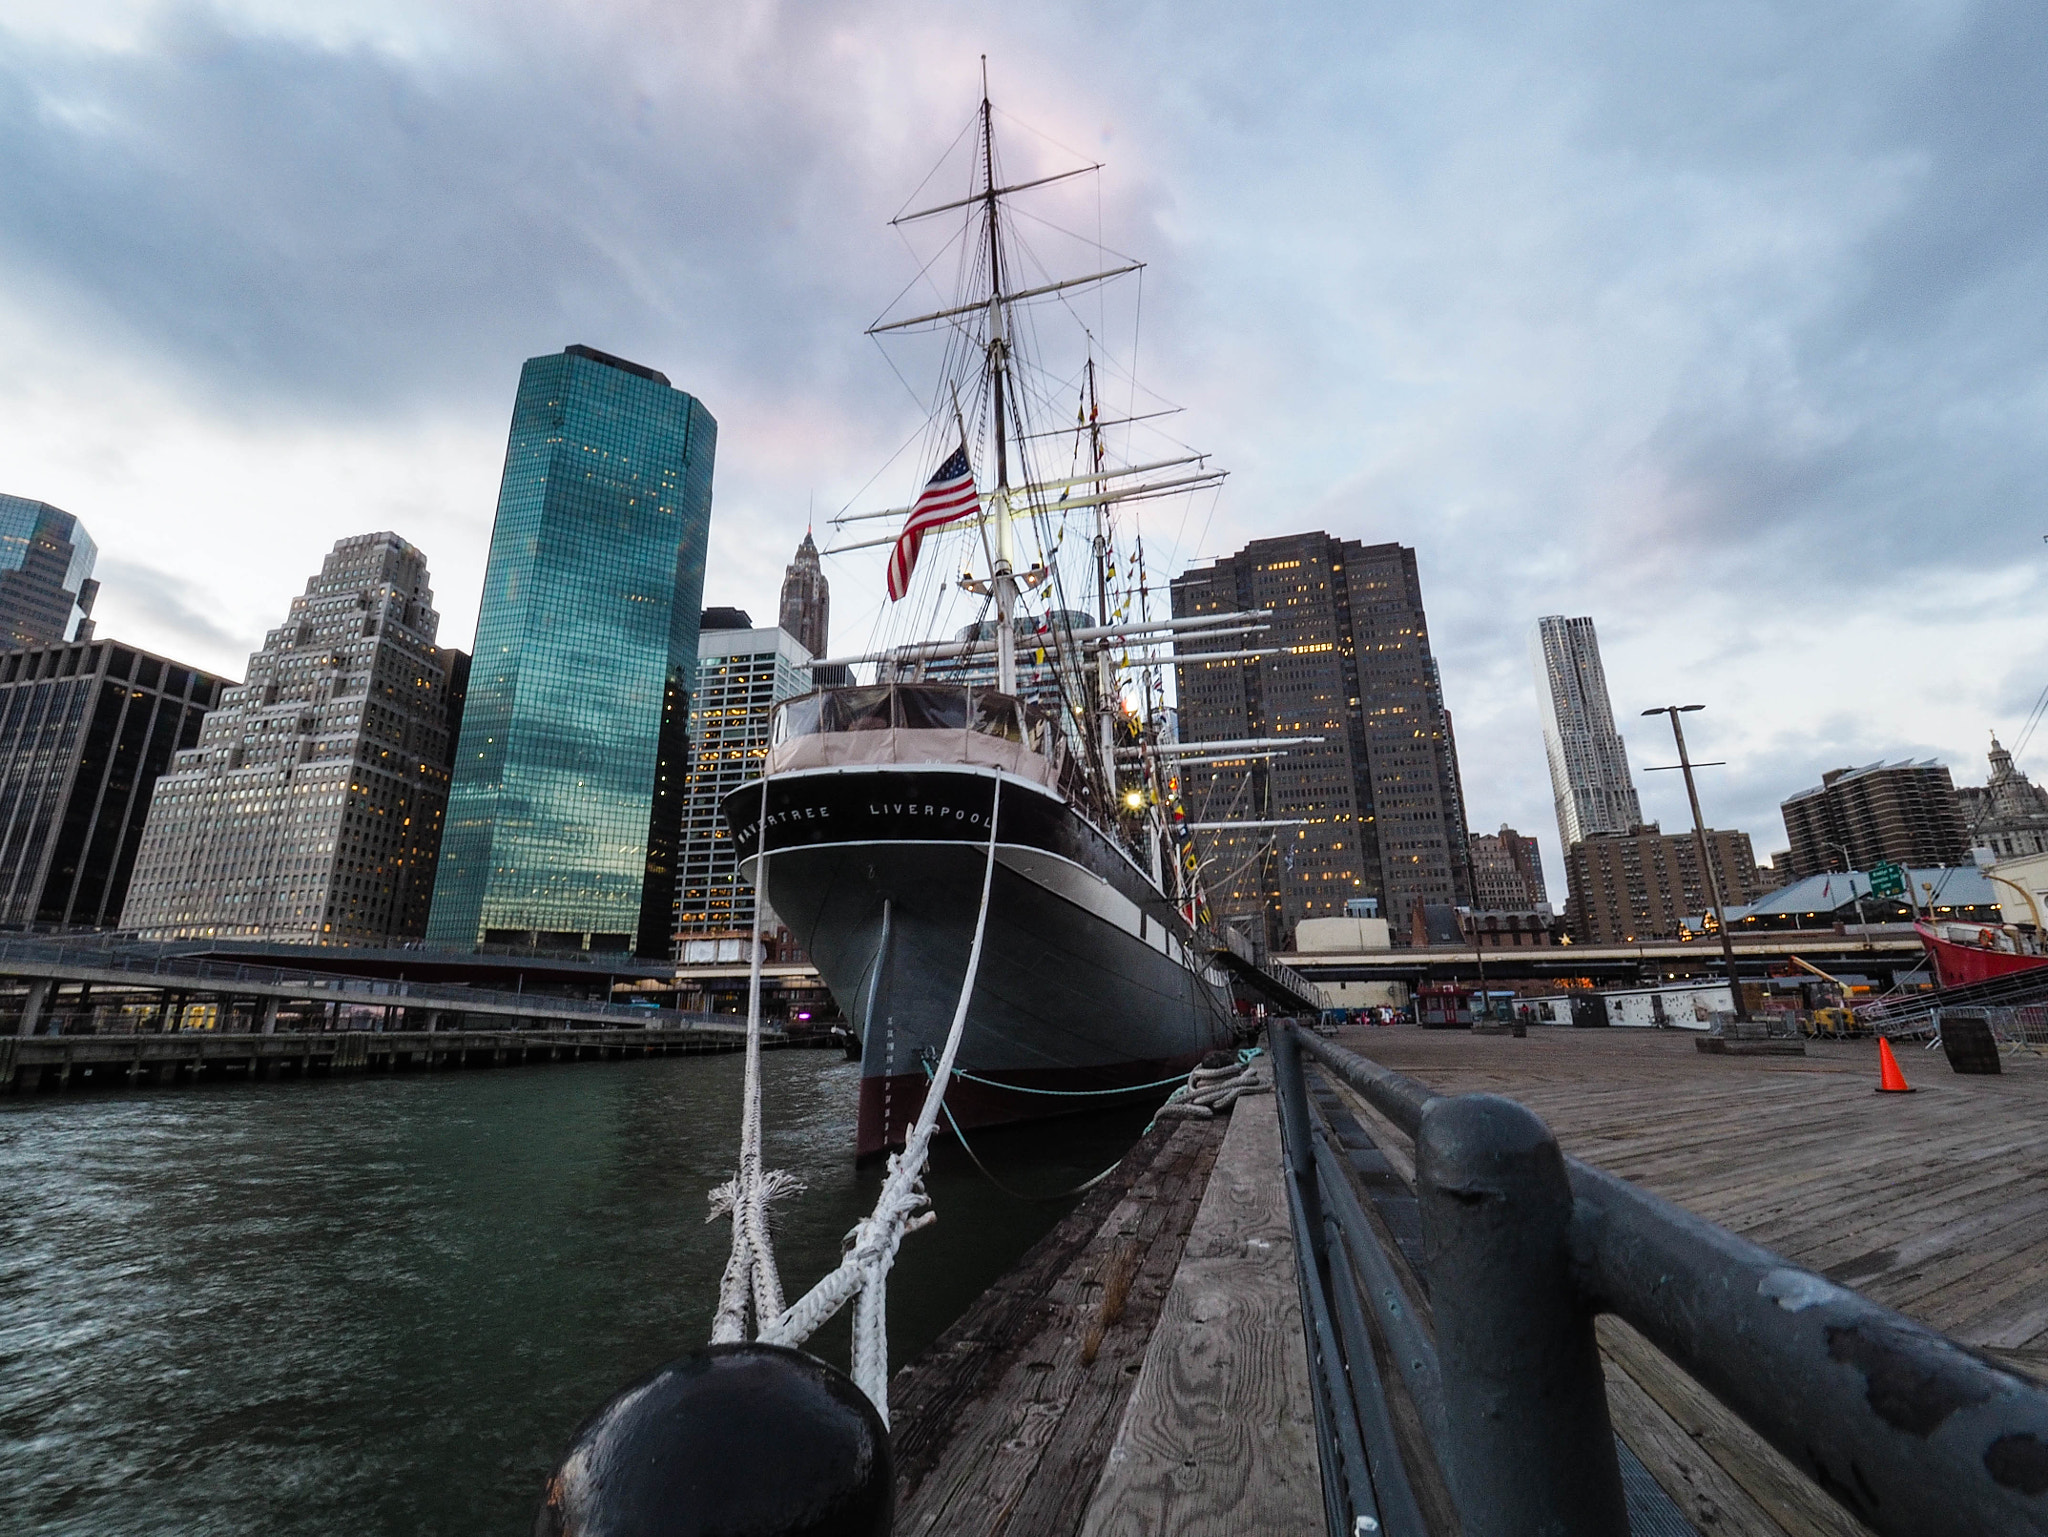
(1105, 666)
(998, 362)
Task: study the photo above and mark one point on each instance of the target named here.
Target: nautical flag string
(947, 497)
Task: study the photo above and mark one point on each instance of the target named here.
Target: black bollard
(754, 1439)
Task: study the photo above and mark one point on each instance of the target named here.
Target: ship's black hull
(1090, 990)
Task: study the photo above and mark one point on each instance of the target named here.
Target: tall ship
(1040, 728)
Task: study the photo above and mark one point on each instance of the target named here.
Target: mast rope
(862, 1274)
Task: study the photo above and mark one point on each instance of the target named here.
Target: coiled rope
(862, 1275)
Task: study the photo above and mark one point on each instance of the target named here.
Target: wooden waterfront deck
(1934, 1203)
(1141, 1370)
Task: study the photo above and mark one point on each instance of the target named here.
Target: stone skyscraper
(310, 809)
(46, 585)
(807, 599)
(570, 774)
(1589, 778)
(1378, 805)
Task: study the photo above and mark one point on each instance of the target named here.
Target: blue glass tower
(46, 585)
(568, 774)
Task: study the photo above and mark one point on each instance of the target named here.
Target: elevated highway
(1883, 954)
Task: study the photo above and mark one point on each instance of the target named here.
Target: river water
(383, 1305)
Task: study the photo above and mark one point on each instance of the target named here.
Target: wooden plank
(928, 1396)
(1055, 1498)
(1218, 1436)
(1771, 1483)
(1937, 1205)
(1701, 1489)
(1000, 1437)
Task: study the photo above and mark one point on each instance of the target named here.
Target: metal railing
(1919, 1014)
(1522, 1248)
(213, 976)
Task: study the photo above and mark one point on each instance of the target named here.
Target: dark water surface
(382, 1305)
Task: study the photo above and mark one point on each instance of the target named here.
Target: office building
(1376, 804)
(1589, 778)
(2008, 815)
(1904, 813)
(742, 674)
(46, 582)
(310, 809)
(1507, 872)
(85, 729)
(571, 768)
(1647, 884)
(807, 612)
(806, 615)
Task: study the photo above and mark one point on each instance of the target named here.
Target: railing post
(1293, 1092)
(1530, 1449)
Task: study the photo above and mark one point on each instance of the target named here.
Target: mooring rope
(750, 1268)
(1019, 1088)
(988, 1174)
(862, 1274)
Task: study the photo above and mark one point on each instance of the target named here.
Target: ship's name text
(875, 809)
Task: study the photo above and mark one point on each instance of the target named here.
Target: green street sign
(1887, 880)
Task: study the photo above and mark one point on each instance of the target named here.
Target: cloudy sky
(1722, 323)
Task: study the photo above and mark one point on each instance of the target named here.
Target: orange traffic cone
(1890, 1079)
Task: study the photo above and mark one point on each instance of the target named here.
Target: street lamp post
(1862, 918)
(1699, 834)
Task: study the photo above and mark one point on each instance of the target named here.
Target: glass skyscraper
(1589, 778)
(46, 585)
(569, 775)
(85, 731)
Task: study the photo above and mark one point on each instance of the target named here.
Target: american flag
(947, 497)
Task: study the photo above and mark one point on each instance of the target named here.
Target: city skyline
(1583, 353)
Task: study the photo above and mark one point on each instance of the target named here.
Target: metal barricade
(1522, 1248)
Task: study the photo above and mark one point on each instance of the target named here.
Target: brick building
(1907, 813)
(1647, 884)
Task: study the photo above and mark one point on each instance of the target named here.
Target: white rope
(750, 1272)
(898, 1210)
(1210, 1090)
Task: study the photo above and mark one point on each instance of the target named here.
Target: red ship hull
(1961, 965)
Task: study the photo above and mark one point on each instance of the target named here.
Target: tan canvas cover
(846, 749)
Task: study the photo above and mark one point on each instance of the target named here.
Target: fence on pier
(1519, 1248)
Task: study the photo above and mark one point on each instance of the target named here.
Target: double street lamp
(1699, 834)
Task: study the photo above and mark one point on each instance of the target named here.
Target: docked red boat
(1964, 953)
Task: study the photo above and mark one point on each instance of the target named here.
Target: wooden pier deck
(1933, 1203)
(1184, 1406)
(1141, 1370)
